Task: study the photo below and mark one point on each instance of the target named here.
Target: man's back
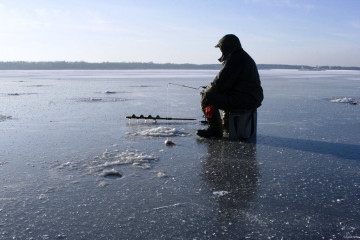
(239, 78)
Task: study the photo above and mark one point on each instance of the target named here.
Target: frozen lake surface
(73, 167)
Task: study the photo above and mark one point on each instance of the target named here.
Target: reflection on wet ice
(230, 168)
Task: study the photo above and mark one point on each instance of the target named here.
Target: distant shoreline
(63, 65)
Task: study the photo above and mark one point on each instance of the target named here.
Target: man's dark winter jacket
(238, 80)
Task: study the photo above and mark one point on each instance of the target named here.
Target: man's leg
(226, 114)
(215, 122)
(215, 128)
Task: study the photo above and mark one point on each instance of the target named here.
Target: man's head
(228, 44)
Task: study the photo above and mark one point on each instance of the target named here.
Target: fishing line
(185, 86)
(167, 94)
(167, 100)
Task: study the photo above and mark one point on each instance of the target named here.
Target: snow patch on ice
(220, 193)
(68, 165)
(43, 196)
(103, 184)
(106, 164)
(112, 159)
(160, 132)
(3, 163)
(346, 100)
(161, 175)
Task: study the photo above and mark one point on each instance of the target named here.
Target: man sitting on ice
(236, 86)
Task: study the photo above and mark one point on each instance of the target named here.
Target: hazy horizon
(271, 31)
(167, 63)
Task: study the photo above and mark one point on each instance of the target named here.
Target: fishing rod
(185, 86)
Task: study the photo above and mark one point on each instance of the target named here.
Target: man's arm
(226, 78)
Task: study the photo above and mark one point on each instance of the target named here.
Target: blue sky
(319, 32)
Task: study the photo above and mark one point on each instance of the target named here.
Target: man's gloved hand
(209, 111)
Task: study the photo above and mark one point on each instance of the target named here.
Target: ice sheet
(62, 151)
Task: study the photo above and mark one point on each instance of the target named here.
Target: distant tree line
(304, 67)
(63, 65)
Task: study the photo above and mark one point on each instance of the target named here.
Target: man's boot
(214, 130)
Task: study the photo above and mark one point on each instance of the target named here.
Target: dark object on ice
(110, 92)
(169, 142)
(112, 174)
(61, 236)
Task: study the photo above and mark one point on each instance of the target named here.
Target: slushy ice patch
(3, 163)
(106, 165)
(110, 160)
(68, 165)
(353, 101)
(159, 132)
(220, 193)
